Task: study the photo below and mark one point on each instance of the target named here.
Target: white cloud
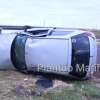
(67, 13)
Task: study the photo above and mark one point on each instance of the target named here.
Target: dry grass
(17, 86)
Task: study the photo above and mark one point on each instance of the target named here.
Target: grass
(74, 90)
(87, 89)
(81, 91)
(95, 31)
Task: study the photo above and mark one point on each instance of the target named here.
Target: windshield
(36, 32)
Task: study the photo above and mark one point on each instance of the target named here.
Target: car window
(36, 32)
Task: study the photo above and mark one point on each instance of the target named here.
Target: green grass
(64, 95)
(81, 91)
(87, 89)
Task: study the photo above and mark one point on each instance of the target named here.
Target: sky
(59, 13)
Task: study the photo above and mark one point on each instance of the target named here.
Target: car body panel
(47, 52)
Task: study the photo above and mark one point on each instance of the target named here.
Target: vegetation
(17, 86)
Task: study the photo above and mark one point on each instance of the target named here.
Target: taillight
(89, 34)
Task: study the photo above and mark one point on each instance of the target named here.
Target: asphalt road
(98, 48)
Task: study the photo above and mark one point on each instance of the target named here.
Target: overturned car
(50, 50)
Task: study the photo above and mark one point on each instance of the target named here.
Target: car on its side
(55, 50)
(50, 50)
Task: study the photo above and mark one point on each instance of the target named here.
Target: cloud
(67, 13)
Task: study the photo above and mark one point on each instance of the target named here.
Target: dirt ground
(17, 86)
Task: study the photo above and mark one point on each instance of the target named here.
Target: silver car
(50, 50)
